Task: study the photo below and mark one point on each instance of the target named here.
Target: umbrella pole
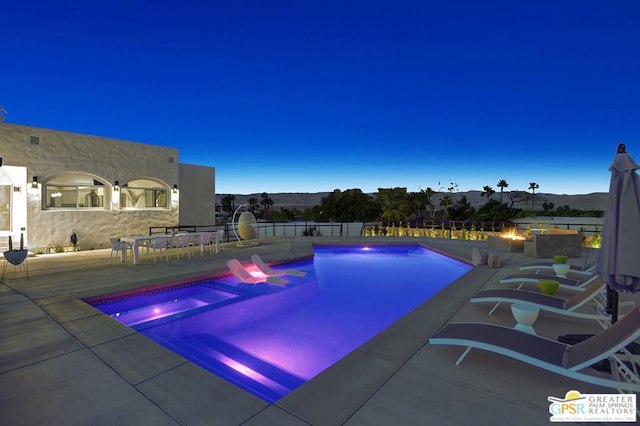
(612, 304)
(586, 258)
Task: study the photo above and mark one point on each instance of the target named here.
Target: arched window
(75, 190)
(144, 194)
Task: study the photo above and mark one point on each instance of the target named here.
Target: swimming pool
(270, 339)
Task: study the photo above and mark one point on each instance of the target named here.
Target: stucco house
(53, 183)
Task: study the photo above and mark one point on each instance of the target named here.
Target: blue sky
(311, 96)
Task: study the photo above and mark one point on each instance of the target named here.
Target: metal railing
(297, 229)
(270, 229)
(587, 229)
(353, 229)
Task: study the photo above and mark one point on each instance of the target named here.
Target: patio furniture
(181, 243)
(560, 305)
(525, 315)
(119, 248)
(204, 240)
(552, 355)
(267, 270)
(219, 235)
(17, 258)
(244, 276)
(561, 269)
(573, 269)
(159, 243)
(535, 277)
(142, 241)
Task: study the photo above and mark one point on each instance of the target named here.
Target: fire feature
(509, 241)
(512, 234)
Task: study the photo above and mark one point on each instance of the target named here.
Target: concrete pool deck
(64, 362)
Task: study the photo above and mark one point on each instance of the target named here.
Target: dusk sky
(312, 96)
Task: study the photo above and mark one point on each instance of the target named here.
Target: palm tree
(533, 186)
(502, 184)
(228, 203)
(253, 204)
(488, 191)
(266, 202)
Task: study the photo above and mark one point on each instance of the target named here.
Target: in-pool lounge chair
(267, 270)
(244, 276)
(561, 358)
(561, 305)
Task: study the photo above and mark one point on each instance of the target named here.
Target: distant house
(53, 183)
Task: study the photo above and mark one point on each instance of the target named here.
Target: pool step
(186, 313)
(237, 366)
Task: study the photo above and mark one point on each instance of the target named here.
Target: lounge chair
(551, 355)
(567, 283)
(561, 305)
(267, 270)
(564, 282)
(244, 276)
(574, 269)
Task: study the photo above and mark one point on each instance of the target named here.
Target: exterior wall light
(116, 186)
(34, 184)
(175, 188)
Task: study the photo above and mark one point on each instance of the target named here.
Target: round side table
(561, 269)
(525, 316)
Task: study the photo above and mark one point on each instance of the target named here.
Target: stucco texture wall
(58, 152)
(197, 195)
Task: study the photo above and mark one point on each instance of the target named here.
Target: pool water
(271, 339)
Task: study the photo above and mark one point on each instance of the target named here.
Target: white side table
(525, 316)
(561, 269)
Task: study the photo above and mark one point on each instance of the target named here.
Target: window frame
(151, 190)
(76, 186)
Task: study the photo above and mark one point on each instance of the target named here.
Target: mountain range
(305, 200)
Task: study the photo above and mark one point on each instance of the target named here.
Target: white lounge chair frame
(569, 283)
(560, 305)
(543, 266)
(552, 355)
(267, 270)
(244, 276)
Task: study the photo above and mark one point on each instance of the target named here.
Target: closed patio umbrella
(618, 262)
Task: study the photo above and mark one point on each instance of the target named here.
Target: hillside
(304, 200)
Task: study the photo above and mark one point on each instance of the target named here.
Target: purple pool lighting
(269, 339)
(143, 309)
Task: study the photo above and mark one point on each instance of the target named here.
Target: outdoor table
(136, 240)
(525, 315)
(135, 244)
